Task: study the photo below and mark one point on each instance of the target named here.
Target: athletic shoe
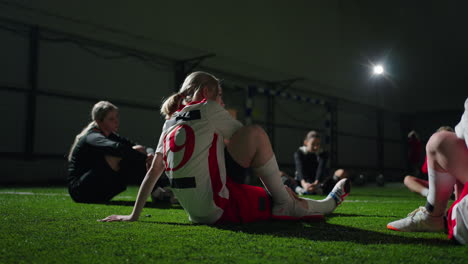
(340, 191)
(164, 194)
(418, 221)
(157, 194)
(295, 209)
(299, 190)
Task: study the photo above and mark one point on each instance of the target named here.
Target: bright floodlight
(378, 69)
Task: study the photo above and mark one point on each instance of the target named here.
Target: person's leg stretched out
(250, 147)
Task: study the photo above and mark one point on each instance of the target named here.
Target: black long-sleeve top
(90, 150)
(310, 166)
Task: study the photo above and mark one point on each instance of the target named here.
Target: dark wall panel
(13, 109)
(67, 68)
(14, 54)
(60, 120)
(357, 152)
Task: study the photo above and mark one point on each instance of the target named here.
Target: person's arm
(152, 176)
(298, 161)
(111, 147)
(322, 162)
(121, 139)
(128, 142)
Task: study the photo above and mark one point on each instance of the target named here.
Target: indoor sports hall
(369, 76)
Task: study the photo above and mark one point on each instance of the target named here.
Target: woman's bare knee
(408, 180)
(341, 173)
(250, 146)
(439, 141)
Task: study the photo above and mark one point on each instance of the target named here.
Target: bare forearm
(152, 176)
(145, 189)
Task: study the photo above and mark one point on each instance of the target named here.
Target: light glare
(378, 69)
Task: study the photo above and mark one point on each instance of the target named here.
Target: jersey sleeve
(221, 120)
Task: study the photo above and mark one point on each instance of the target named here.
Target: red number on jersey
(188, 145)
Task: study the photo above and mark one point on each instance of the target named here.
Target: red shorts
(457, 221)
(246, 204)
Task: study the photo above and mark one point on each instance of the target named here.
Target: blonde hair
(445, 128)
(311, 134)
(98, 113)
(194, 82)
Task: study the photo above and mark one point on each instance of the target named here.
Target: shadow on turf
(322, 231)
(358, 215)
(372, 196)
(159, 205)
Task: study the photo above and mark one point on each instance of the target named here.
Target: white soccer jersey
(193, 149)
(460, 219)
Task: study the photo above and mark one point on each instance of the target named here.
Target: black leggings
(102, 183)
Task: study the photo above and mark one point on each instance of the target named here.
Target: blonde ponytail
(194, 82)
(79, 136)
(171, 105)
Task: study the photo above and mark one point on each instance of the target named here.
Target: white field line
(131, 197)
(375, 201)
(52, 194)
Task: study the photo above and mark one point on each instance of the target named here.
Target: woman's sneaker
(340, 191)
(163, 195)
(419, 221)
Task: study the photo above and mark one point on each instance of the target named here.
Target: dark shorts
(246, 203)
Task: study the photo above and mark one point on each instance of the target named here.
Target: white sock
(269, 173)
(324, 206)
(440, 188)
(424, 192)
(328, 204)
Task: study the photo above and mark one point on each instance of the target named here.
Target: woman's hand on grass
(113, 218)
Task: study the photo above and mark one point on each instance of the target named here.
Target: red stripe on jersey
(452, 223)
(197, 102)
(182, 106)
(216, 183)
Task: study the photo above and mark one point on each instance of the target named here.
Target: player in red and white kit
(191, 150)
(447, 156)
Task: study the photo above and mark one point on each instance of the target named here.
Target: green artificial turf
(47, 227)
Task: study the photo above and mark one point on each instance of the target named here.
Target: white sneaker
(300, 190)
(418, 221)
(164, 194)
(158, 194)
(295, 209)
(340, 191)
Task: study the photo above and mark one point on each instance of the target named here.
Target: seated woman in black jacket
(101, 162)
(311, 171)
